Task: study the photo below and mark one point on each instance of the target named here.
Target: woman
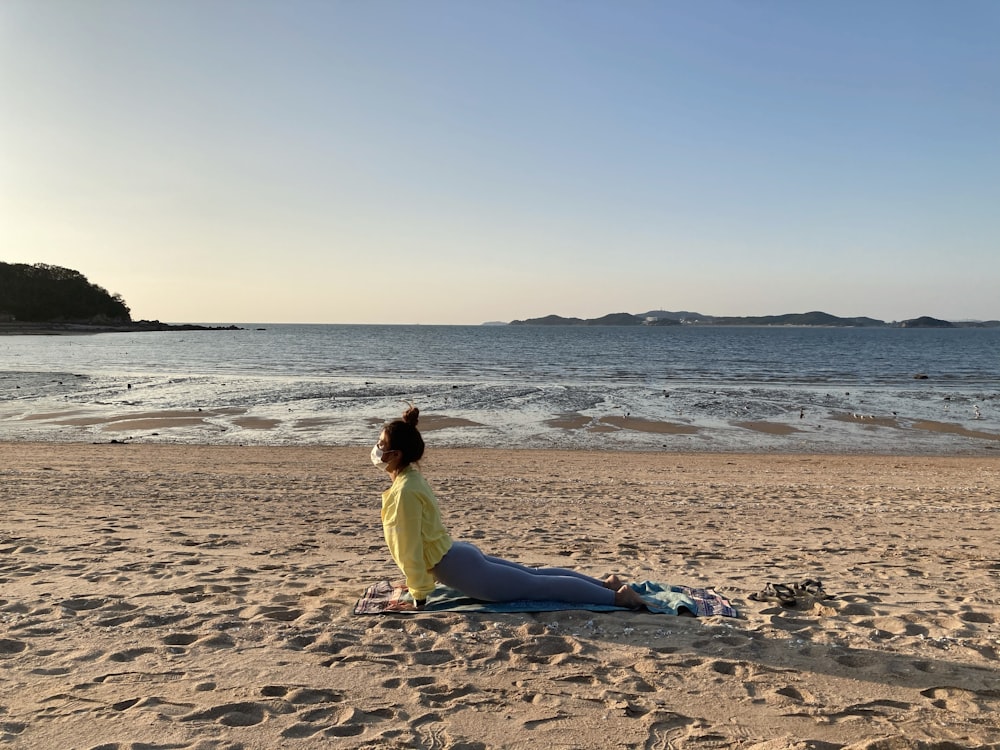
(424, 551)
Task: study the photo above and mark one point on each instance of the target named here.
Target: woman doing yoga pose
(425, 552)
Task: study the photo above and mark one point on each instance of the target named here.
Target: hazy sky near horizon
(446, 161)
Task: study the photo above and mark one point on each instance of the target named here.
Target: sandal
(776, 592)
(811, 587)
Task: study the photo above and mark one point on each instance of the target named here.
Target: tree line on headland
(43, 297)
(665, 318)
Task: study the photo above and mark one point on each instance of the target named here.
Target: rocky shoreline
(70, 328)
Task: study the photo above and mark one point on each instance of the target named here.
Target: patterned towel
(383, 596)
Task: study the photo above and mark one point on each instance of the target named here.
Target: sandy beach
(201, 597)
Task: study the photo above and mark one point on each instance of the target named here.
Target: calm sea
(727, 388)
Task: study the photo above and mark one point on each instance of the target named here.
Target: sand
(157, 596)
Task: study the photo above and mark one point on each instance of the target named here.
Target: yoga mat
(660, 598)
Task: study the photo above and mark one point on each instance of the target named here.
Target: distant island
(41, 298)
(816, 319)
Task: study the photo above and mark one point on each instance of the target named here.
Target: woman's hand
(405, 605)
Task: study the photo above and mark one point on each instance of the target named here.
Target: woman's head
(403, 436)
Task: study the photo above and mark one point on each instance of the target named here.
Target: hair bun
(411, 415)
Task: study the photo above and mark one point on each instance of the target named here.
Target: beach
(164, 596)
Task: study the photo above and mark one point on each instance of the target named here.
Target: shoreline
(837, 434)
(70, 328)
(982, 454)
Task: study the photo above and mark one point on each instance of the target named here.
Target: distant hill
(612, 319)
(46, 294)
(815, 318)
(681, 316)
(926, 322)
(49, 299)
(975, 323)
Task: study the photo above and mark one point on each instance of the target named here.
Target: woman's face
(383, 442)
(389, 457)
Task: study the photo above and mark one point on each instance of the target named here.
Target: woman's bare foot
(627, 597)
(613, 582)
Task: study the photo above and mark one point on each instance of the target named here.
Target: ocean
(682, 388)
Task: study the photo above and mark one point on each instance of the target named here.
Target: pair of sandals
(788, 594)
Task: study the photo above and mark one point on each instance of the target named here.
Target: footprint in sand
(667, 729)
(311, 696)
(443, 695)
(353, 652)
(740, 669)
(130, 654)
(9, 646)
(983, 618)
(115, 620)
(82, 604)
(885, 709)
(324, 712)
(534, 723)
(887, 628)
(158, 620)
(10, 729)
(50, 671)
(432, 657)
(583, 678)
(955, 700)
(552, 649)
(301, 730)
(331, 644)
(854, 660)
(243, 714)
(219, 640)
(416, 682)
(433, 624)
(315, 715)
(796, 695)
(179, 639)
(268, 612)
(349, 723)
(301, 641)
(627, 682)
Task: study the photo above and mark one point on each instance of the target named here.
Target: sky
(455, 162)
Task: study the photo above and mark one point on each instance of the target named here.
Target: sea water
(643, 388)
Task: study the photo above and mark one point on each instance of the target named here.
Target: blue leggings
(492, 579)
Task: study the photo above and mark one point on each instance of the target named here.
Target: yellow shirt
(413, 530)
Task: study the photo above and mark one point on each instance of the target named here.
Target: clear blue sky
(460, 162)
